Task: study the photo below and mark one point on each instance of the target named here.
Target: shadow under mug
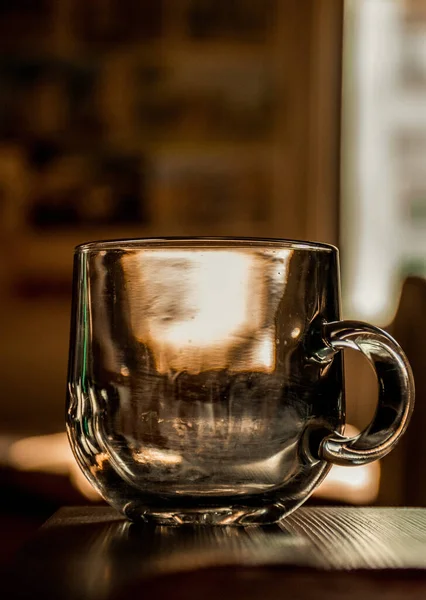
(206, 377)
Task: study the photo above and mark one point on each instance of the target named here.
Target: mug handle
(396, 392)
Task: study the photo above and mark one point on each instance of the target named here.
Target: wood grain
(316, 552)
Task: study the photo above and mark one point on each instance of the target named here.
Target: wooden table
(317, 552)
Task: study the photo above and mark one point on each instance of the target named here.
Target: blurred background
(272, 118)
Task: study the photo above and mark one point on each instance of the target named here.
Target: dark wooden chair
(403, 471)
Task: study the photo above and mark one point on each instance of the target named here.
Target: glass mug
(206, 377)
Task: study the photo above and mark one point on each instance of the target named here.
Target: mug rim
(203, 241)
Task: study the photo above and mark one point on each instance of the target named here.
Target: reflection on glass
(195, 309)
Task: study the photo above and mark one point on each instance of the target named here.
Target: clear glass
(203, 387)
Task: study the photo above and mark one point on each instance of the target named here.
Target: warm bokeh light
(49, 454)
(354, 485)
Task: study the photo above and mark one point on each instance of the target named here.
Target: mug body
(194, 395)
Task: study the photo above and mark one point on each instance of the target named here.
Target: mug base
(234, 515)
